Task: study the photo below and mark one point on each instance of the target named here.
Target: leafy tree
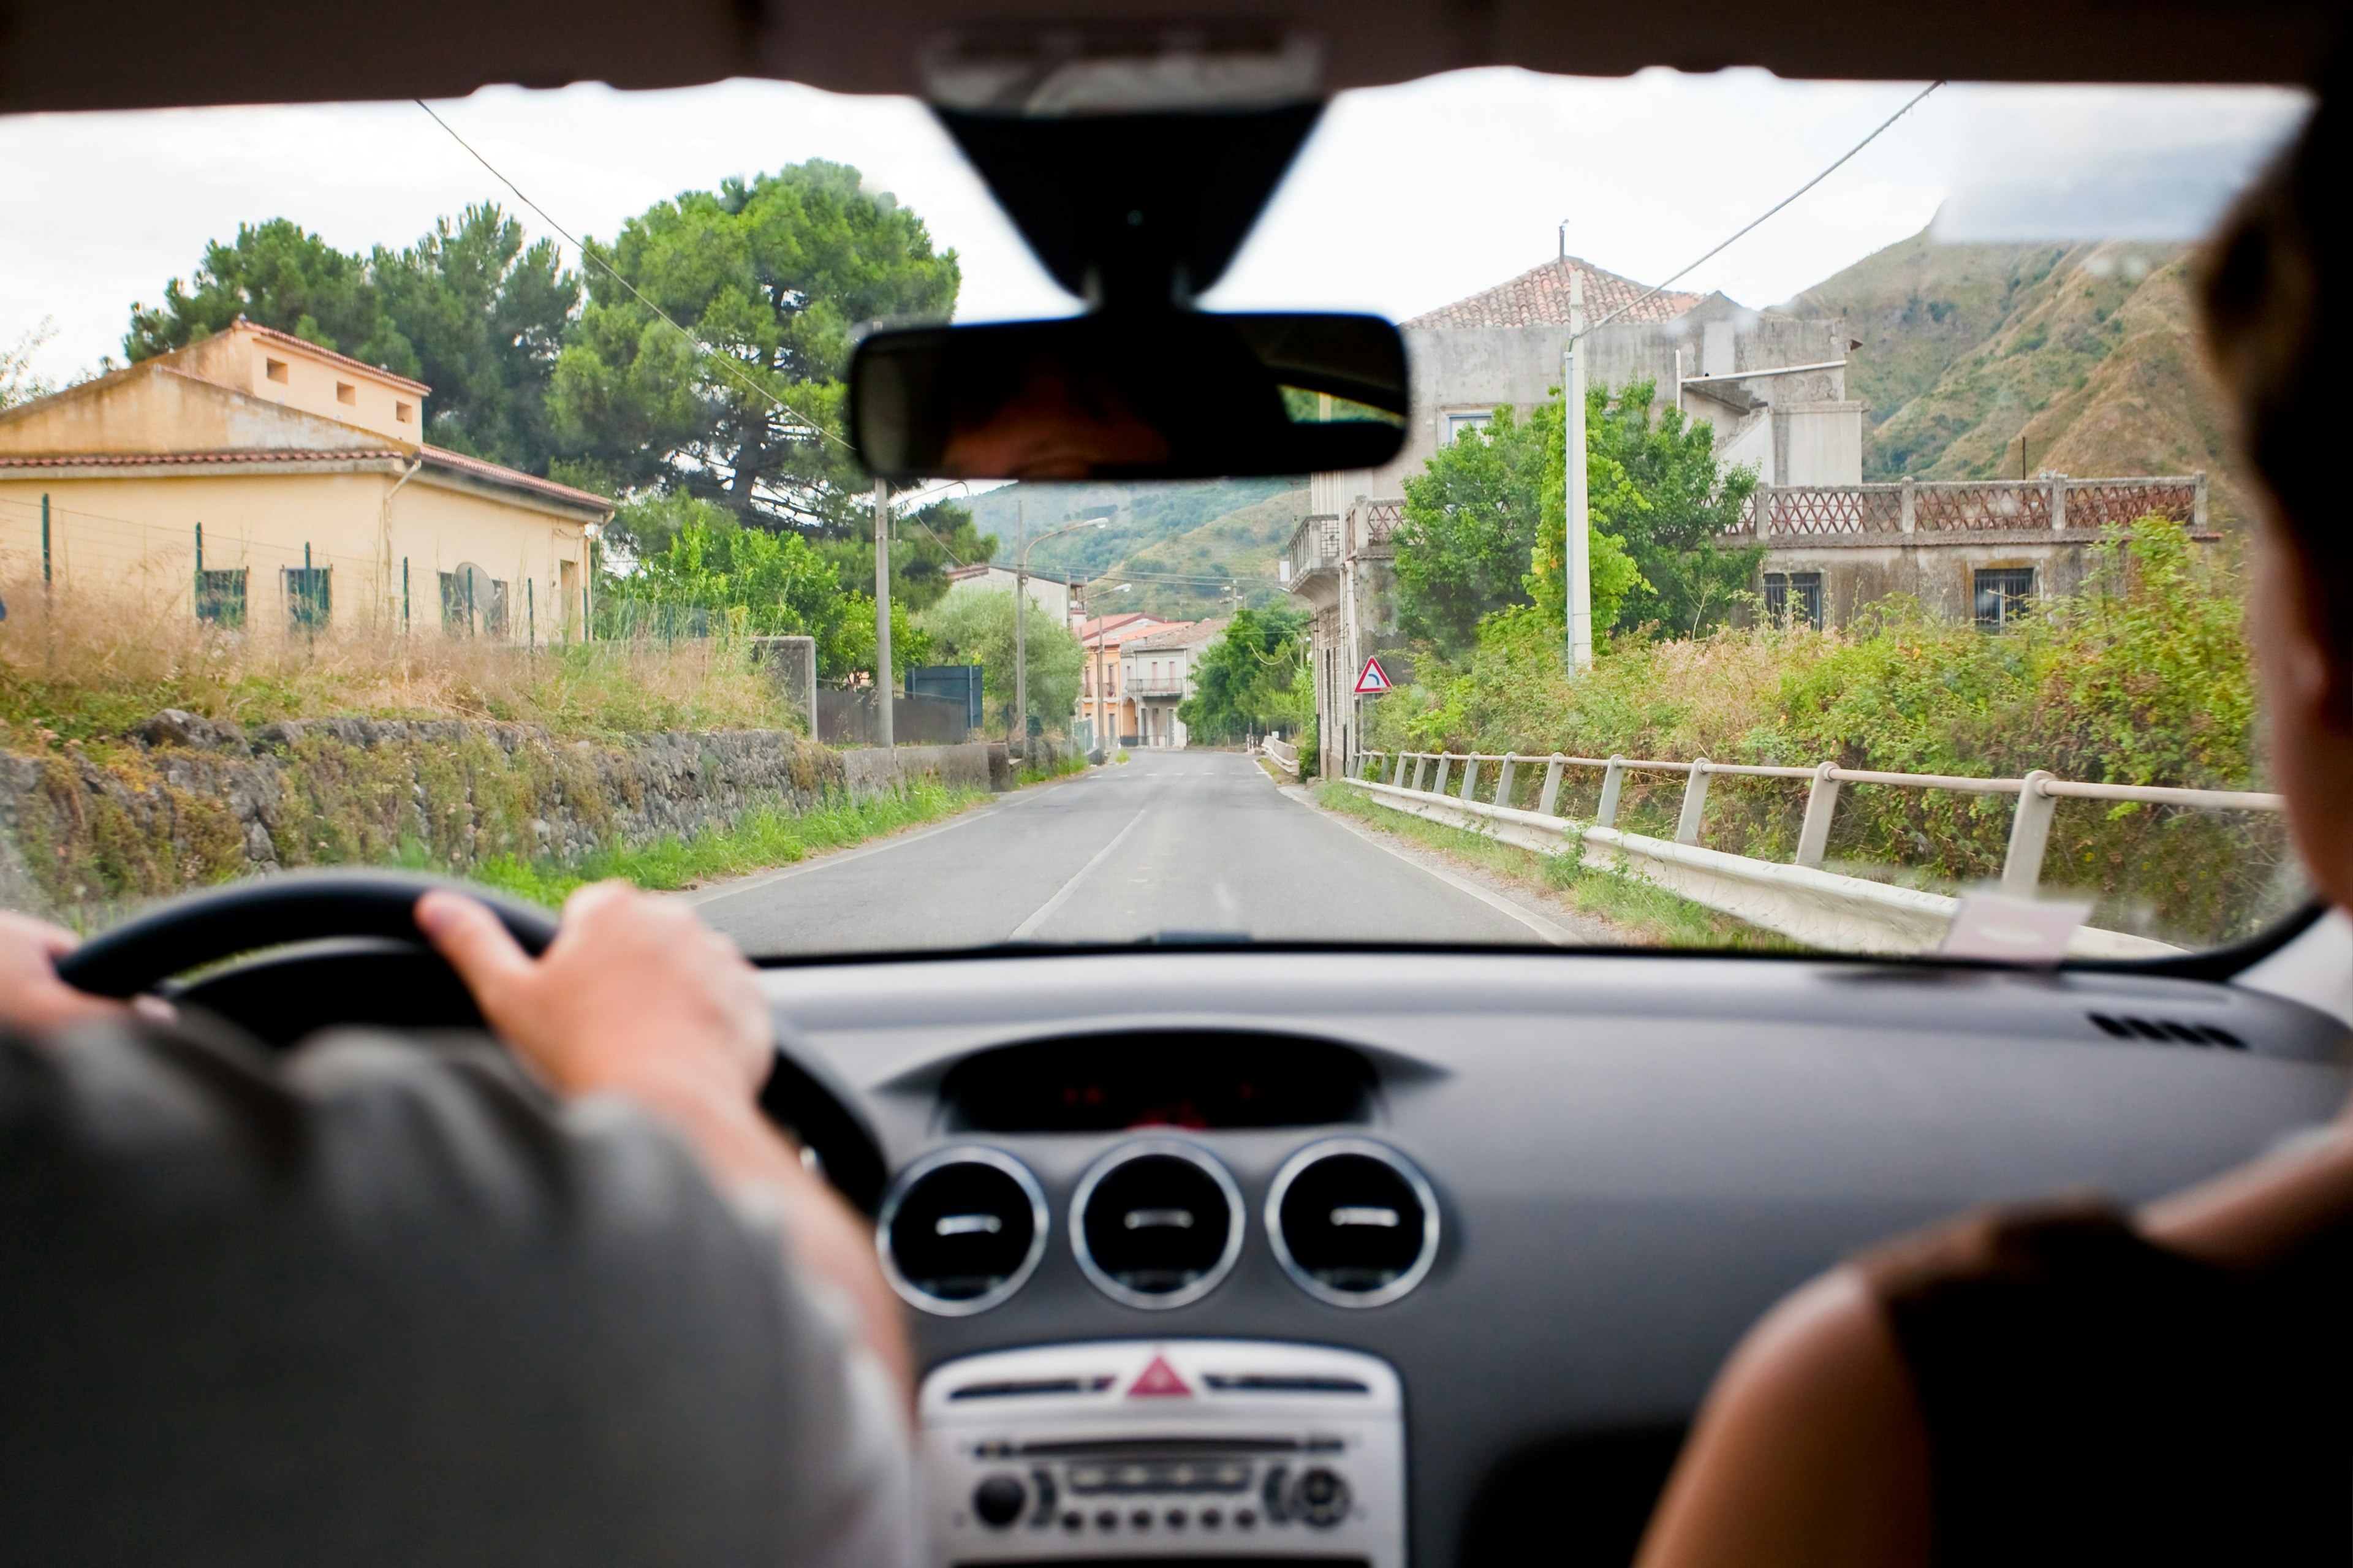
(1655, 478)
(1252, 680)
(280, 275)
(469, 310)
(925, 545)
(19, 383)
(976, 627)
(772, 275)
(716, 577)
(485, 316)
(1476, 520)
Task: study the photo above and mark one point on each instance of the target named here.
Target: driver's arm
(639, 998)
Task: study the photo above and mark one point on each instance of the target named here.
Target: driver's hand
(32, 997)
(635, 995)
(638, 997)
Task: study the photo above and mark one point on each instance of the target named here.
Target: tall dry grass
(91, 663)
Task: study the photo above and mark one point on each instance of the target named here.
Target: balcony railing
(1167, 686)
(1314, 547)
(1969, 505)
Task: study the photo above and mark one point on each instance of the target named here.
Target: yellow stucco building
(253, 478)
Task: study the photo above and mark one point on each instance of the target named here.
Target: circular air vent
(1156, 1224)
(961, 1230)
(1353, 1221)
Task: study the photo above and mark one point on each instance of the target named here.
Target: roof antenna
(1564, 240)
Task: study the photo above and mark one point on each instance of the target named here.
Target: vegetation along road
(1173, 846)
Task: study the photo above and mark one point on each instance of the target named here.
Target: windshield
(1813, 529)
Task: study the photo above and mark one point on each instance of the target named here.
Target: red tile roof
(513, 478)
(233, 455)
(1185, 633)
(436, 457)
(1104, 626)
(1539, 298)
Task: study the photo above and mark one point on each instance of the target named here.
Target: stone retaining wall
(194, 801)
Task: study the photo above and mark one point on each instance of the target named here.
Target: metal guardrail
(1286, 755)
(2039, 793)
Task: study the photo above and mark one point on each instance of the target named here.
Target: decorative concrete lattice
(2101, 503)
(1938, 506)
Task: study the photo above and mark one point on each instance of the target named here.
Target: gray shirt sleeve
(381, 1303)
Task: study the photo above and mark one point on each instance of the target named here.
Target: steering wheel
(286, 955)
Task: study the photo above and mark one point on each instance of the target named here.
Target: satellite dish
(475, 593)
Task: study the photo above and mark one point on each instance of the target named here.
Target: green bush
(2142, 677)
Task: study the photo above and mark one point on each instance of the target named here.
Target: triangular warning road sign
(1374, 680)
(1159, 1381)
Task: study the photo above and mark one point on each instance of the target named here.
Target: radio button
(1321, 1498)
(999, 1499)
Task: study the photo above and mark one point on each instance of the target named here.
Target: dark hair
(2278, 301)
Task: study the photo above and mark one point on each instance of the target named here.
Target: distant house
(1158, 669)
(1773, 387)
(1048, 590)
(257, 481)
(1107, 713)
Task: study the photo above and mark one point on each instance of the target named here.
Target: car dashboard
(1428, 1257)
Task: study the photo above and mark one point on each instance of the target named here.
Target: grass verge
(1649, 913)
(763, 837)
(1061, 770)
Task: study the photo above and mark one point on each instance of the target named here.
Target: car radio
(1236, 1449)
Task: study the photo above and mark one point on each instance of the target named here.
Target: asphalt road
(1172, 845)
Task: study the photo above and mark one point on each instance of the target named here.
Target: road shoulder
(1545, 913)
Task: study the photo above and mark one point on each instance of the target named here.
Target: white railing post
(1695, 802)
(1546, 806)
(1907, 513)
(2197, 504)
(2058, 505)
(2029, 835)
(1420, 767)
(1469, 775)
(1397, 778)
(1613, 778)
(1445, 766)
(1822, 801)
(1504, 781)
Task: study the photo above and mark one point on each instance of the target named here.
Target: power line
(1777, 206)
(587, 255)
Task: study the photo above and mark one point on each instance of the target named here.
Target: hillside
(1215, 531)
(2085, 351)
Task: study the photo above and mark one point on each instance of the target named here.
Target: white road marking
(1559, 936)
(1029, 927)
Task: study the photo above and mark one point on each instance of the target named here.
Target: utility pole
(1578, 558)
(1021, 619)
(1021, 633)
(882, 614)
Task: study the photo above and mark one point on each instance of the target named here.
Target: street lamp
(1021, 626)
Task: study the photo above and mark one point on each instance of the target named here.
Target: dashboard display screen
(1108, 1083)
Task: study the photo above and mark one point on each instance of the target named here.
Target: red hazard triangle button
(1159, 1381)
(1374, 680)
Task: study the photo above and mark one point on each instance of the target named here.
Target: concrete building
(1048, 590)
(1157, 668)
(257, 481)
(1107, 715)
(1773, 388)
(1973, 550)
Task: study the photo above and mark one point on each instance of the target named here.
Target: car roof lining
(133, 54)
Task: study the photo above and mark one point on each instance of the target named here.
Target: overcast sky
(1408, 198)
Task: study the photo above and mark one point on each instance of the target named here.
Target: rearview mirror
(1162, 395)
